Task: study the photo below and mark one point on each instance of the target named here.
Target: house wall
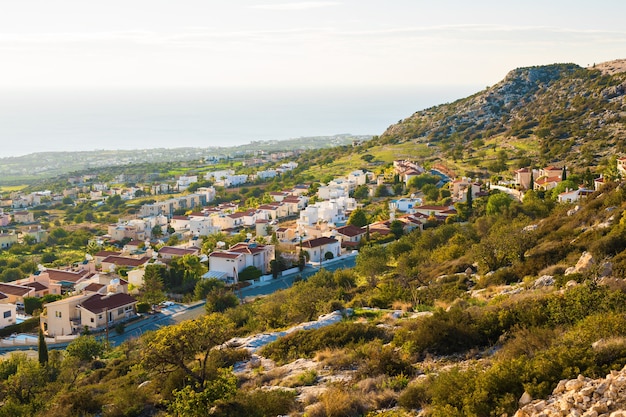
(226, 265)
(135, 277)
(7, 315)
(59, 315)
(99, 320)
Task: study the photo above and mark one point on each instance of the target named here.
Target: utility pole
(106, 325)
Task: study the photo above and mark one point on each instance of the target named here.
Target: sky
(135, 44)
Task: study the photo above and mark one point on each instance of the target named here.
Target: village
(295, 225)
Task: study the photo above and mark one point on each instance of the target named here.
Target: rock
(525, 399)
(573, 384)
(581, 397)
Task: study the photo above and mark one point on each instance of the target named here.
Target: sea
(60, 120)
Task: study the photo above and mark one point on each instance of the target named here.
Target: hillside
(509, 307)
(551, 113)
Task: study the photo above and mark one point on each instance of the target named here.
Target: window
(120, 311)
(7, 314)
(99, 316)
(92, 319)
(57, 314)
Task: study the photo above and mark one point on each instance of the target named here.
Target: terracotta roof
(18, 290)
(105, 253)
(94, 287)
(237, 215)
(522, 170)
(320, 241)
(546, 180)
(432, 208)
(247, 248)
(69, 276)
(98, 303)
(269, 206)
(180, 218)
(171, 250)
(134, 243)
(350, 230)
(124, 261)
(225, 255)
(36, 285)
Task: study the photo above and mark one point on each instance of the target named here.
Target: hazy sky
(203, 43)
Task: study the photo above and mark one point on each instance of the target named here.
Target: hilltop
(559, 112)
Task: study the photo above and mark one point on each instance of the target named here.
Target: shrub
(305, 343)
(143, 307)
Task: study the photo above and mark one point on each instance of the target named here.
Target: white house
(318, 247)
(240, 256)
(184, 181)
(406, 205)
(200, 225)
(571, 196)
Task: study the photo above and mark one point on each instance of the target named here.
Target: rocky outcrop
(582, 397)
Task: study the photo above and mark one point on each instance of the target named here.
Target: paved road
(179, 313)
(287, 281)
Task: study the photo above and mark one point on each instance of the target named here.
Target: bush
(143, 307)
(27, 326)
(120, 328)
(305, 343)
(250, 273)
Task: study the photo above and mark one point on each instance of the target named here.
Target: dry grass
(336, 359)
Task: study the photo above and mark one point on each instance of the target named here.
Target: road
(178, 312)
(287, 281)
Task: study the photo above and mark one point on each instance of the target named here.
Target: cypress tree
(42, 349)
(564, 174)
(469, 198)
(531, 185)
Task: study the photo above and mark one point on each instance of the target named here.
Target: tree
(397, 228)
(42, 349)
(498, 203)
(275, 267)
(431, 192)
(562, 187)
(186, 347)
(152, 291)
(564, 174)
(301, 260)
(367, 157)
(195, 401)
(328, 256)
(157, 231)
(381, 191)
(220, 300)
(371, 262)
(419, 181)
(361, 192)
(358, 218)
(31, 304)
(85, 348)
(468, 200)
(205, 286)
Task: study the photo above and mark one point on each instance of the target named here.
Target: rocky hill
(550, 111)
